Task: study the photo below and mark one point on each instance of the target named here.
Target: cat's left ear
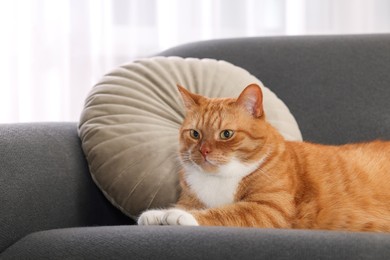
(190, 100)
(251, 98)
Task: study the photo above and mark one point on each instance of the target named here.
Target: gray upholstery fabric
(45, 183)
(337, 87)
(198, 243)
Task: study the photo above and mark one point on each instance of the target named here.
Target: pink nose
(205, 150)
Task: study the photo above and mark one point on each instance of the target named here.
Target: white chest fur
(219, 188)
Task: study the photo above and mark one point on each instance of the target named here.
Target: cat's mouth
(209, 162)
(208, 165)
(206, 160)
(205, 164)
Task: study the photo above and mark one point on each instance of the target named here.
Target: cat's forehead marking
(214, 114)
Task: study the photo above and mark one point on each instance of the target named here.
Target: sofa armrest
(172, 242)
(45, 182)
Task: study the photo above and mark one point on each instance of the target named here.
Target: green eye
(226, 134)
(194, 134)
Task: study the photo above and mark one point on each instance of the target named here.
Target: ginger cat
(239, 171)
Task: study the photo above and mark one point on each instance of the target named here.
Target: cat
(239, 171)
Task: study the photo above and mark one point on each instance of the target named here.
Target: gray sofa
(338, 88)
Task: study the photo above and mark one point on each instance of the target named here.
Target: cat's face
(216, 132)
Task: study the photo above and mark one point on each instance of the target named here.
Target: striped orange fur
(283, 184)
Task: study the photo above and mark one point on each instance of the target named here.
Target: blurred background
(53, 51)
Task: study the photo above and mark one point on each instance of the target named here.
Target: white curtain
(53, 51)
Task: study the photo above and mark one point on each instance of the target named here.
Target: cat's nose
(204, 150)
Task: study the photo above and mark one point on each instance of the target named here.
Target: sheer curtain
(53, 51)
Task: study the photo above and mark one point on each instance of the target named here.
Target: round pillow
(130, 124)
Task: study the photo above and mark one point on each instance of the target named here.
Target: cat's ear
(251, 98)
(190, 100)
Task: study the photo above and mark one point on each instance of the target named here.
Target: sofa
(338, 89)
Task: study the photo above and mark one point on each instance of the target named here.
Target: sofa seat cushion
(167, 242)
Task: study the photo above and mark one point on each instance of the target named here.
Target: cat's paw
(151, 217)
(167, 217)
(179, 217)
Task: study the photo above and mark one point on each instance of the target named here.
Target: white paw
(167, 217)
(151, 217)
(179, 217)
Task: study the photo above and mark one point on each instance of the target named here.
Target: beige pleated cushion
(129, 126)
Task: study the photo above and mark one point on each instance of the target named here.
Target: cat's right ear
(189, 99)
(251, 98)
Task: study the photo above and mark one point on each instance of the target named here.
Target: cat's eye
(226, 134)
(194, 134)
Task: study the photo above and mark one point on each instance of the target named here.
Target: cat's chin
(209, 167)
(206, 167)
